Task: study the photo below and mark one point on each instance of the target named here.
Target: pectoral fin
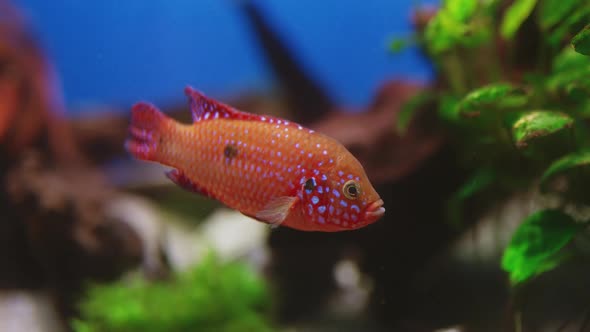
(277, 210)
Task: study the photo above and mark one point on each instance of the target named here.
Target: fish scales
(268, 168)
(269, 158)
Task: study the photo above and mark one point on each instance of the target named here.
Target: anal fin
(185, 183)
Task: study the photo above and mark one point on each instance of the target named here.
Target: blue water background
(117, 52)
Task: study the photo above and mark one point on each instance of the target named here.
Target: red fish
(268, 168)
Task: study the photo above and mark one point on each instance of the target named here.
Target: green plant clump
(212, 297)
(516, 103)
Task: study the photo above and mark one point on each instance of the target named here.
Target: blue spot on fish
(321, 220)
(322, 209)
(336, 193)
(315, 200)
(343, 203)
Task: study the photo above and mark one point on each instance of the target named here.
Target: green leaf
(495, 96)
(409, 108)
(515, 15)
(442, 32)
(569, 175)
(570, 25)
(447, 109)
(479, 181)
(554, 11)
(451, 26)
(566, 163)
(570, 60)
(532, 125)
(565, 81)
(579, 91)
(581, 41)
(535, 246)
(397, 45)
(460, 10)
(571, 73)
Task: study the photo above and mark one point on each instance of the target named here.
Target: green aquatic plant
(516, 104)
(537, 245)
(214, 296)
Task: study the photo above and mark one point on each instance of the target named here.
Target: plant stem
(518, 321)
(454, 71)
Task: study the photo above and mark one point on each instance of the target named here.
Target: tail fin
(145, 130)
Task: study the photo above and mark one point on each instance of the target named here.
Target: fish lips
(374, 211)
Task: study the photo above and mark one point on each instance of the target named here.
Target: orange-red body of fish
(268, 168)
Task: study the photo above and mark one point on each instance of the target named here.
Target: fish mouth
(375, 210)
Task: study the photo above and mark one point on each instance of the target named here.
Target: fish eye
(351, 189)
(309, 185)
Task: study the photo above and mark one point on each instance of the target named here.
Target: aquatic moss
(211, 297)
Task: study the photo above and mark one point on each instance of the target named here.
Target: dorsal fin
(205, 108)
